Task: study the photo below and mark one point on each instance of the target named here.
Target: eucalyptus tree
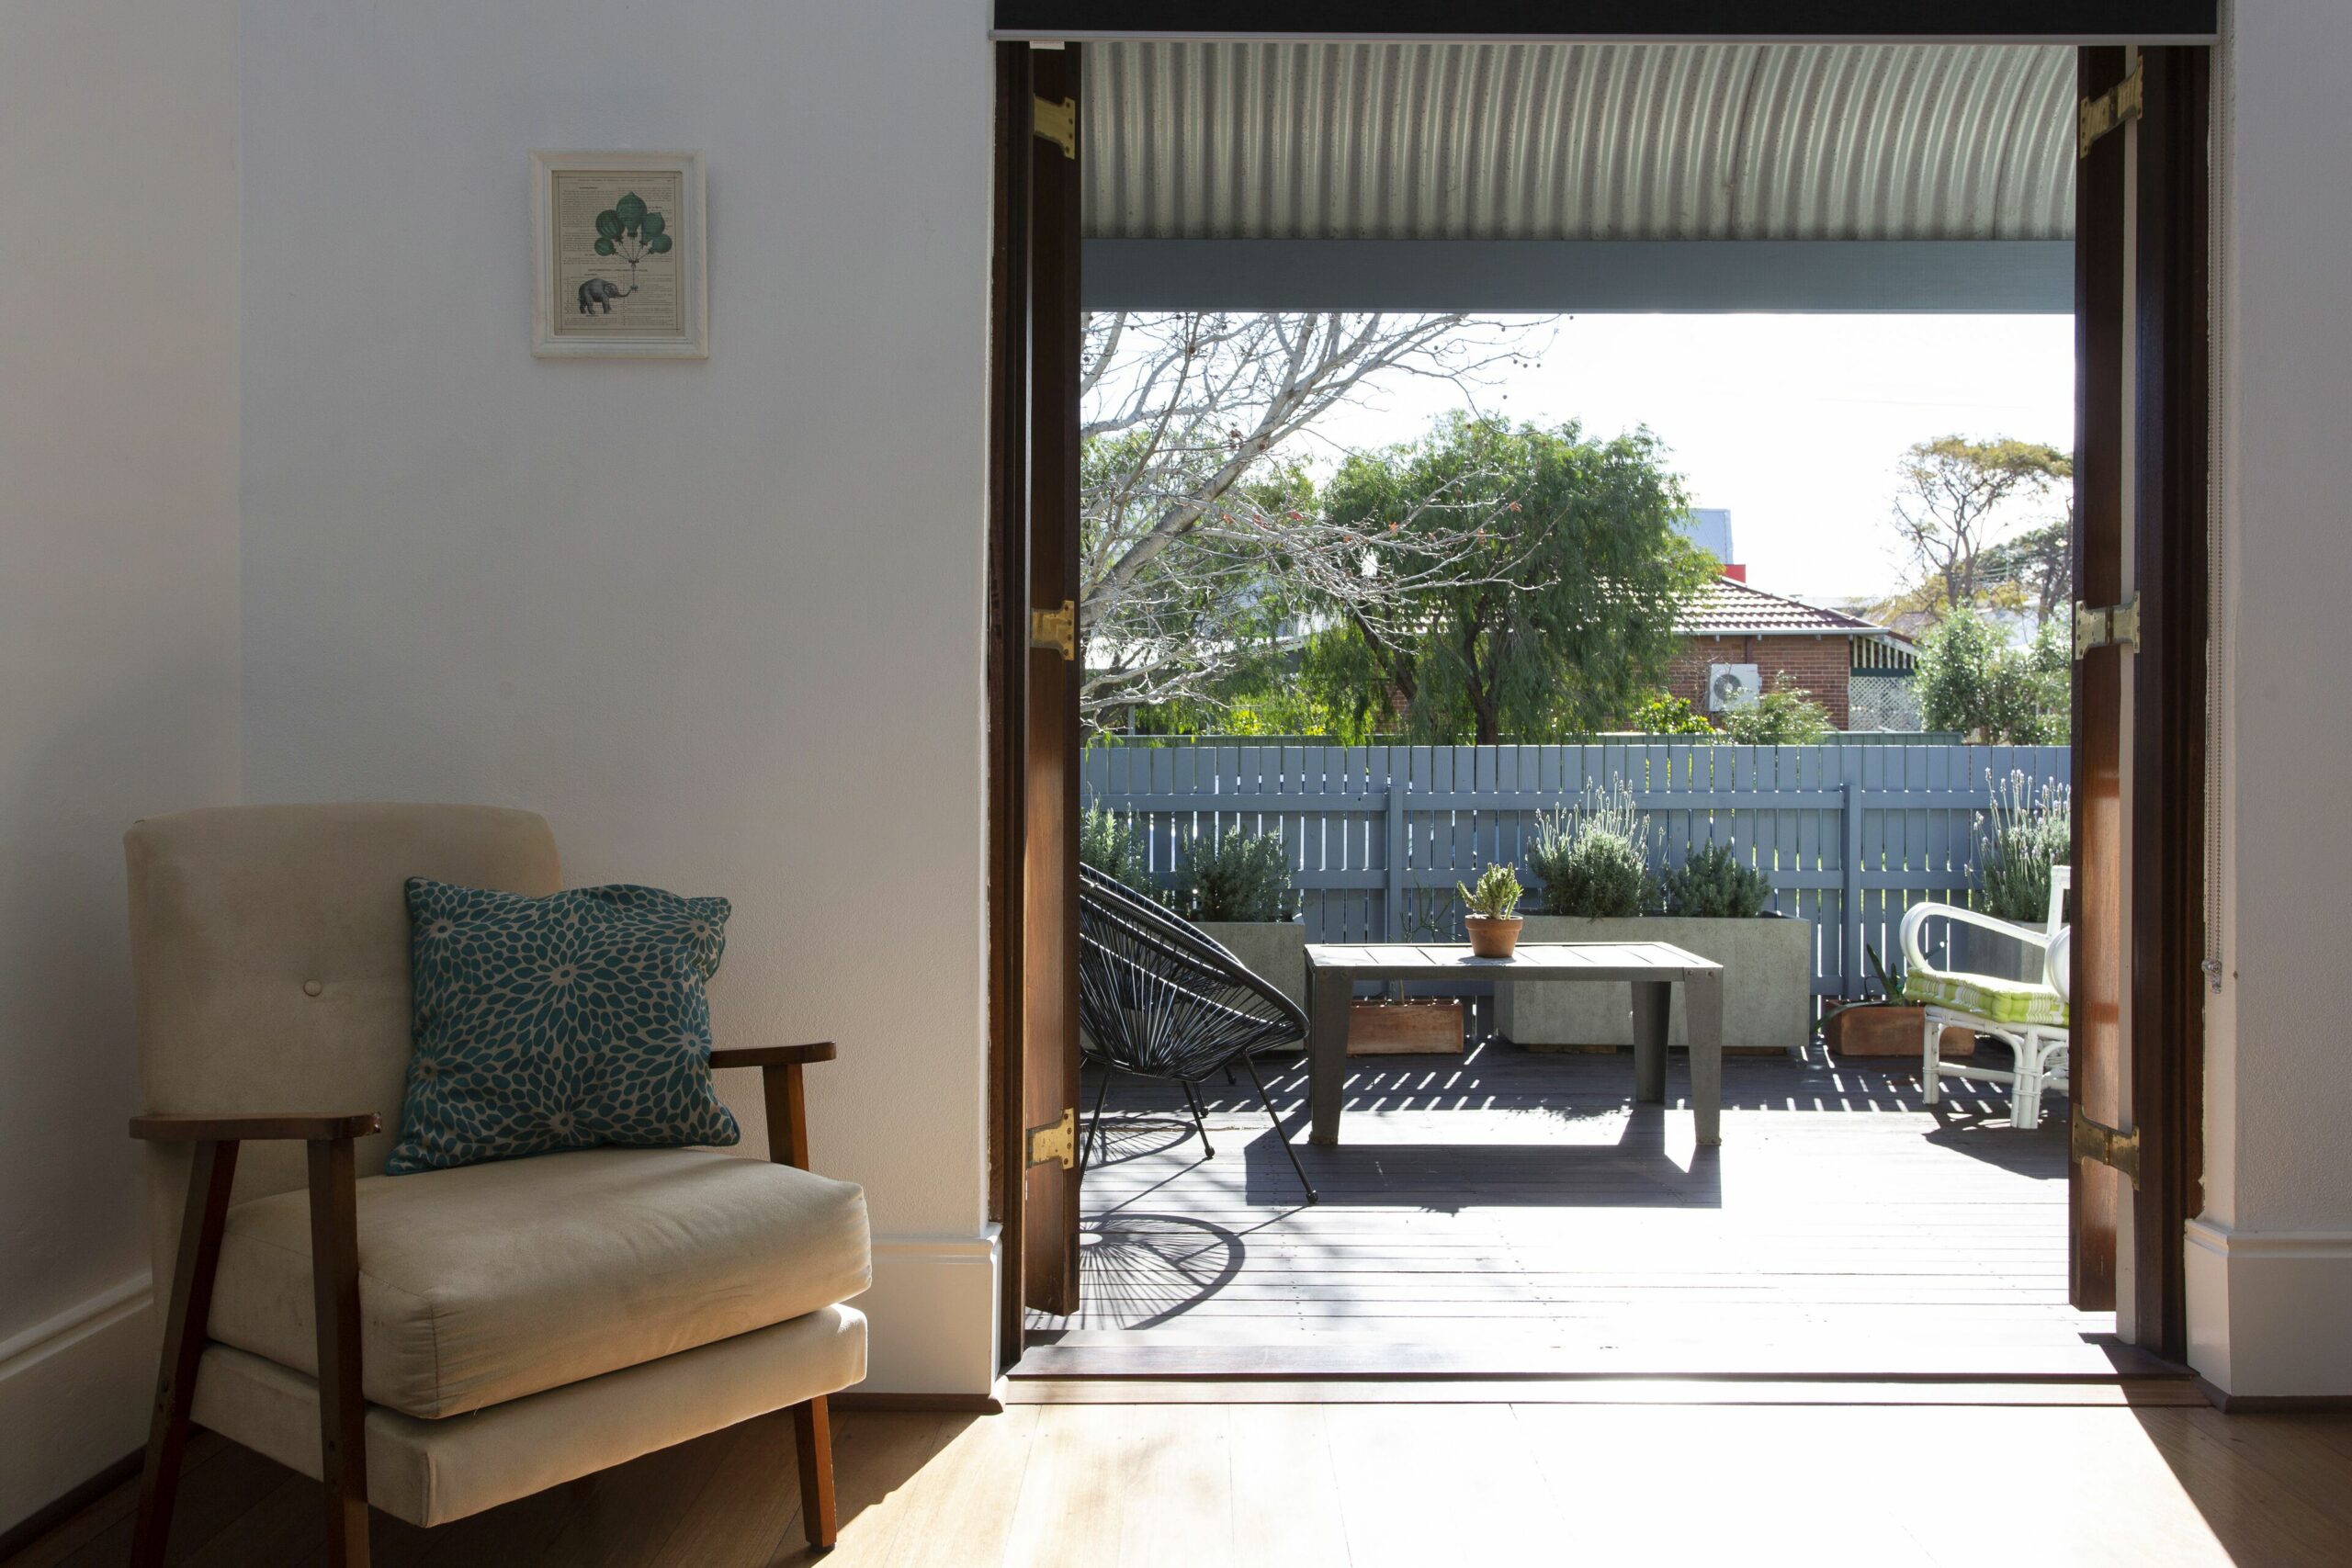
(1951, 499)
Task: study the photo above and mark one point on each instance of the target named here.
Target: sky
(1793, 422)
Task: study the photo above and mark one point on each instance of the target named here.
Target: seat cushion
(575, 1020)
(1987, 995)
(489, 1282)
(429, 1473)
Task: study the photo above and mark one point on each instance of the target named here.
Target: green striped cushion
(2003, 1002)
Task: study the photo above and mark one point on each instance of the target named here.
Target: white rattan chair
(2030, 1016)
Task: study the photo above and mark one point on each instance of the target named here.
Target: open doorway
(1496, 1207)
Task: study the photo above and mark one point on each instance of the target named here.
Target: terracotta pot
(1492, 938)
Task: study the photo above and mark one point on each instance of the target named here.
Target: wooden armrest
(788, 1104)
(309, 1127)
(772, 1056)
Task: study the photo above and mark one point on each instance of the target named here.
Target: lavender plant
(1592, 859)
(2029, 829)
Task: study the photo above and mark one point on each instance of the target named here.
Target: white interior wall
(2270, 1261)
(721, 622)
(118, 654)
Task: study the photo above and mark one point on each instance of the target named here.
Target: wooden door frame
(2153, 939)
(2164, 926)
(2171, 530)
(1008, 641)
(2095, 1197)
(1034, 354)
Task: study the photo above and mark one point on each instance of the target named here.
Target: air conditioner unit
(1732, 686)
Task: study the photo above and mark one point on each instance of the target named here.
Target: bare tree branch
(1197, 532)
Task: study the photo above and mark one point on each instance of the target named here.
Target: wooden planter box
(1768, 985)
(1430, 1028)
(1889, 1032)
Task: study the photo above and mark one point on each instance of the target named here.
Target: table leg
(1702, 997)
(1653, 1003)
(1329, 992)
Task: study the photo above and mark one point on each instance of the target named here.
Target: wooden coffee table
(1651, 968)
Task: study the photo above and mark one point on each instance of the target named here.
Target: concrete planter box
(1767, 984)
(1987, 953)
(1275, 951)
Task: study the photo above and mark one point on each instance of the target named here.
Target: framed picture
(619, 255)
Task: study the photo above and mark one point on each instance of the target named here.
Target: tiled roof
(1728, 608)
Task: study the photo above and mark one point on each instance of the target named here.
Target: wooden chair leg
(210, 1178)
(812, 1436)
(342, 1405)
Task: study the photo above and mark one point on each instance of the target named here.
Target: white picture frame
(620, 258)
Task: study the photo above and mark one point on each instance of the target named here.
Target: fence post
(1394, 925)
(1850, 908)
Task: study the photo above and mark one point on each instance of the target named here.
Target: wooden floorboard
(1522, 1201)
(1280, 1476)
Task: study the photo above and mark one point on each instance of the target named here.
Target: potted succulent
(1592, 863)
(1490, 911)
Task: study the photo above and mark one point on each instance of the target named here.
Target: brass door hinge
(2103, 1145)
(1056, 1141)
(2111, 625)
(1057, 122)
(1055, 628)
(2094, 117)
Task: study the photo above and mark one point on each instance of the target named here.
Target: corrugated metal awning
(1197, 140)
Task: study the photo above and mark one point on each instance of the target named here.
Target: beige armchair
(439, 1343)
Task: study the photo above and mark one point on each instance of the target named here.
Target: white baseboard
(2266, 1311)
(933, 1312)
(73, 1395)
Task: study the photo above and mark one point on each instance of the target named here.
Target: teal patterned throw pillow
(562, 1022)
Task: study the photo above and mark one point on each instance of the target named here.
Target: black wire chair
(1161, 998)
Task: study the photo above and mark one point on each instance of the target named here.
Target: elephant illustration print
(618, 253)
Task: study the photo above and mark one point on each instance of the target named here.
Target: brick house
(1859, 672)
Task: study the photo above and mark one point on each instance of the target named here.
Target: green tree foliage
(1668, 714)
(1561, 617)
(2038, 564)
(1785, 715)
(1716, 884)
(1972, 681)
(1237, 876)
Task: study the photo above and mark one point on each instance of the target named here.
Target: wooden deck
(1508, 1212)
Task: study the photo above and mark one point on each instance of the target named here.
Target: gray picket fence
(1377, 836)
